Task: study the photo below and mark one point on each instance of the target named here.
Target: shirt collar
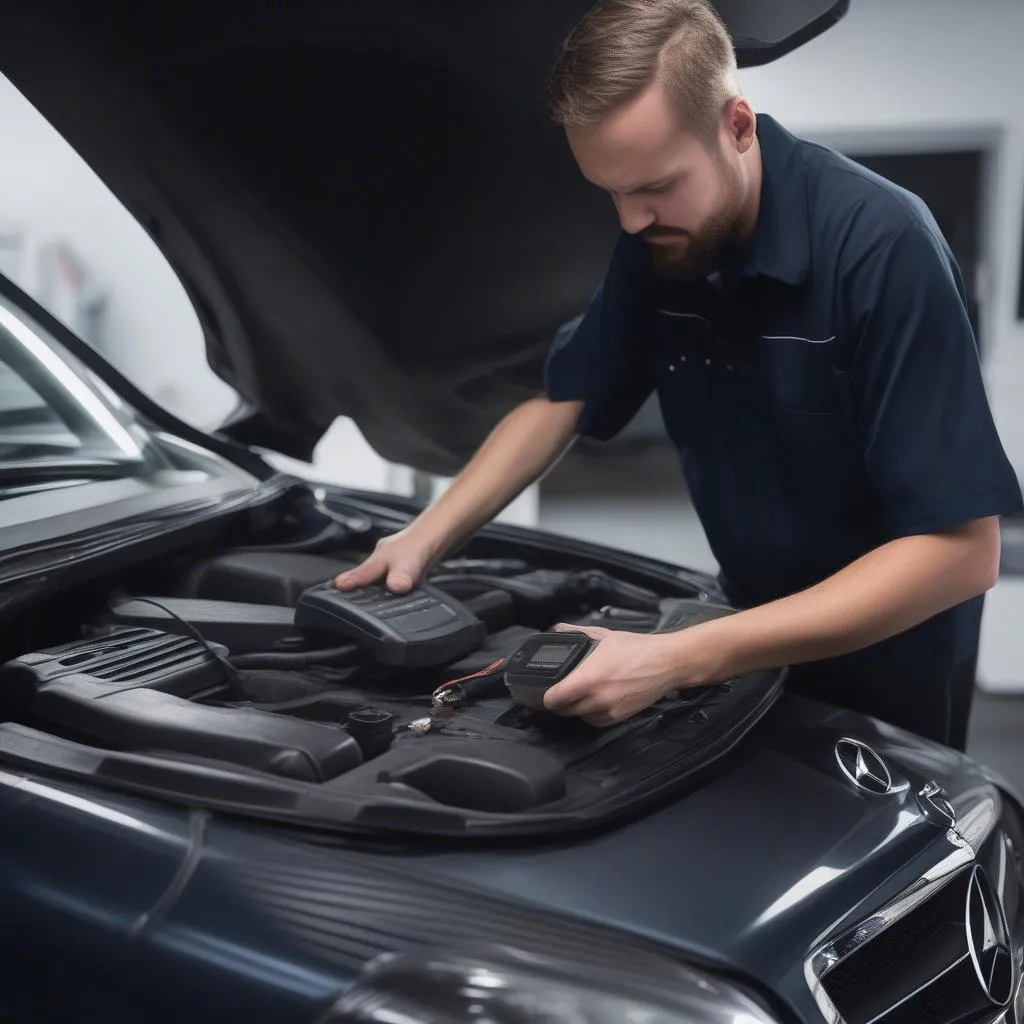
(781, 247)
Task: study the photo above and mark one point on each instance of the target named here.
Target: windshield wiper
(41, 471)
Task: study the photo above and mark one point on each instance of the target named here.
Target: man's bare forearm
(887, 591)
(521, 449)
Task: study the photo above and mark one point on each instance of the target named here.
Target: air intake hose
(335, 657)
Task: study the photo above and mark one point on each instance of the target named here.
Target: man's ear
(741, 123)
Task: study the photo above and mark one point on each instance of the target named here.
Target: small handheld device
(543, 660)
(419, 629)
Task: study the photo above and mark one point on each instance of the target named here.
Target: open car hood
(366, 203)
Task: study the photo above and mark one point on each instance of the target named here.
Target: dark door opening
(951, 186)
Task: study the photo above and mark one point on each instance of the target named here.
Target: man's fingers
(580, 683)
(400, 581)
(592, 708)
(576, 687)
(587, 705)
(368, 572)
(594, 632)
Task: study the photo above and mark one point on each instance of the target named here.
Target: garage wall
(935, 74)
(50, 194)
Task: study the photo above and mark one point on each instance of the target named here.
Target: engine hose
(486, 566)
(598, 583)
(331, 536)
(335, 657)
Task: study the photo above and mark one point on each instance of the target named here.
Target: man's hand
(524, 446)
(624, 674)
(401, 560)
(886, 591)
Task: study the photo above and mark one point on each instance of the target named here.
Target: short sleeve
(932, 453)
(601, 358)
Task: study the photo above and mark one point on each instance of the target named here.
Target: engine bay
(241, 678)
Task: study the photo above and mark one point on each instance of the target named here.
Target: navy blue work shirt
(825, 394)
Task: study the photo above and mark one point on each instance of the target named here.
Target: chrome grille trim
(977, 814)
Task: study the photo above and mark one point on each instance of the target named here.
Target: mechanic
(803, 323)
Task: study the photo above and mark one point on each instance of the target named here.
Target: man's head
(648, 94)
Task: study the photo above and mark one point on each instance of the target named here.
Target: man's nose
(634, 215)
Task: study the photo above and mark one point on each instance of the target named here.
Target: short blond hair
(620, 47)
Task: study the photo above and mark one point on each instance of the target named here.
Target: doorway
(950, 183)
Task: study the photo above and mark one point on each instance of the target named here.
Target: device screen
(550, 656)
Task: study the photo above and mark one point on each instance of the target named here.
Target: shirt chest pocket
(806, 390)
(805, 375)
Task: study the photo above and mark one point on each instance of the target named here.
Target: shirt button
(707, 362)
(671, 366)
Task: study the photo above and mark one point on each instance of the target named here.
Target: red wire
(489, 670)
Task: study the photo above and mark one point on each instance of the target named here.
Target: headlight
(503, 986)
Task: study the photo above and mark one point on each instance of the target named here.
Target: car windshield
(58, 424)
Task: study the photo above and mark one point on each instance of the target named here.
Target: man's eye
(658, 190)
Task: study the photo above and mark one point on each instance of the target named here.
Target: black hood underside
(366, 202)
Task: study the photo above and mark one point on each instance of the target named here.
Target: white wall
(51, 194)
(936, 70)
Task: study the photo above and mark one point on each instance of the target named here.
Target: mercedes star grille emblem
(988, 939)
(863, 767)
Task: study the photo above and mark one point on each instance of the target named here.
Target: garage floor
(996, 736)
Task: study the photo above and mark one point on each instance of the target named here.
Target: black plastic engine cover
(240, 626)
(139, 719)
(260, 577)
(125, 658)
(127, 691)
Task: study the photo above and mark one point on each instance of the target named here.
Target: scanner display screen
(550, 656)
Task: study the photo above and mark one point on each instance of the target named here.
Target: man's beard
(682, 256)
(685, 256)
